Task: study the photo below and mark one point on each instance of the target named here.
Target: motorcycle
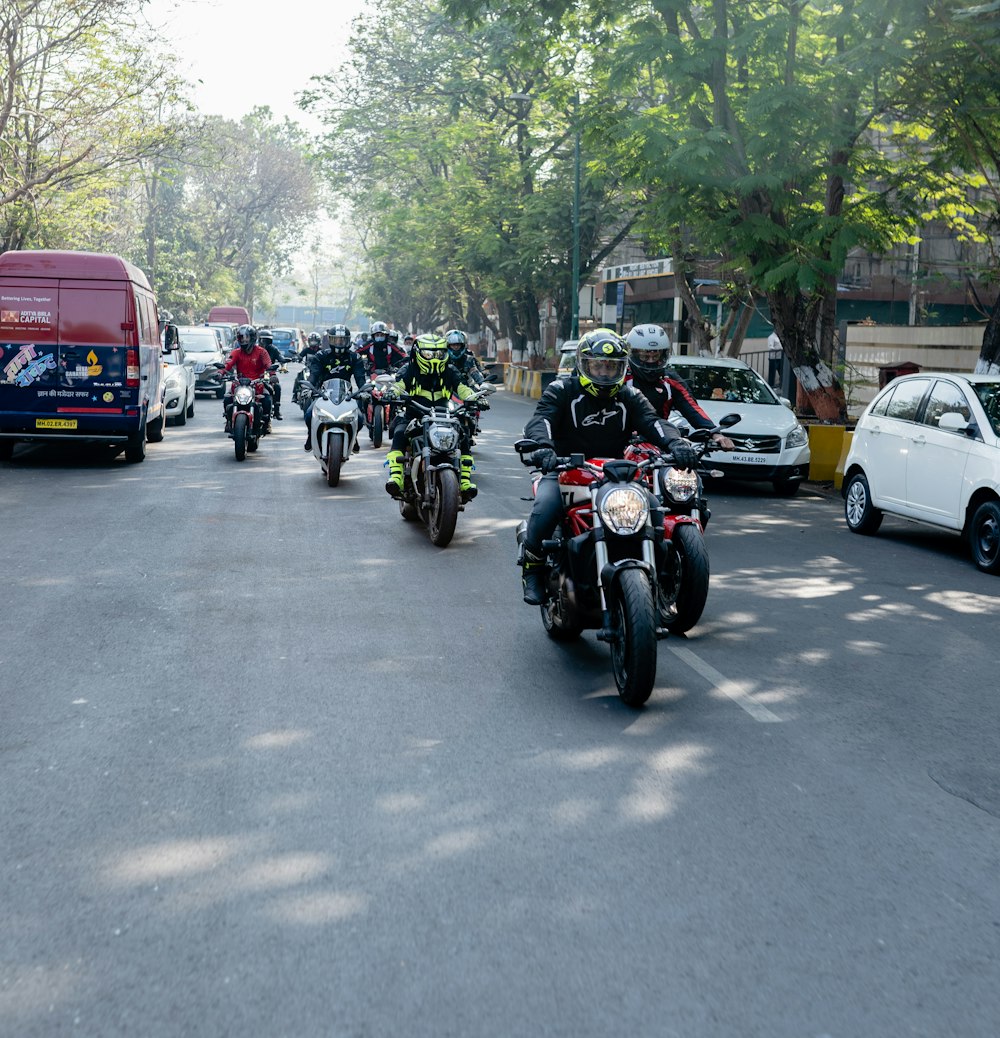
(601, 563)
(246, 425)
(432, 467)
(682, 565)
(485, 389)
(334, 426)
(377, 411)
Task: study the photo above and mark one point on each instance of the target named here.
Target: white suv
(927, 448)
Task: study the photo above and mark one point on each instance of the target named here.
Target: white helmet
(651, 350)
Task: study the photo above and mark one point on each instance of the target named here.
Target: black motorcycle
(246, 424)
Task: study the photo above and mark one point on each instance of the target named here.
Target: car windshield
(989, 397)
(198, 340)
(282, 335)
(741, 385)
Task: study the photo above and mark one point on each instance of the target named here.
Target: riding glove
(683, 453)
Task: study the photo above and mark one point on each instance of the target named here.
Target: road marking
(733, 689)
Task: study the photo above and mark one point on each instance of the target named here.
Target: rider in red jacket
(250, 361)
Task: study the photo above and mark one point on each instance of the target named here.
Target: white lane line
(733, 689)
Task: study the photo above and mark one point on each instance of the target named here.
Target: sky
(249, 52)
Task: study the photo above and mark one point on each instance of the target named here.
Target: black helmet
(246, 337)
(340, 335)
(265, 338)
(602, 361)
(314, 339)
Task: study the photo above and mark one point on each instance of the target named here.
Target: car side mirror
(952, 421)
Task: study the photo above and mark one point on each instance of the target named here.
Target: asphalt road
(272, 764)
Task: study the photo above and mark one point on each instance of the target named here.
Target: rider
(250, 361)
(429, 379)
(266, 339)
(335, 360)
(592, 412)
(379, 353)
(461, 358)
(663, 388)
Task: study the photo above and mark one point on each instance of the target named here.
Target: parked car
(286, 342)
(927, 448)
(225, 332)
(178, 386)
(771, 443)
(202, 350)
(567, 357)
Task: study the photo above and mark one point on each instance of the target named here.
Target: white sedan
(927, 448)
(178, 387)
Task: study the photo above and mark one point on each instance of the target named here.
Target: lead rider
(593, 413)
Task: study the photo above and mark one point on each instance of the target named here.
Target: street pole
(575, 301)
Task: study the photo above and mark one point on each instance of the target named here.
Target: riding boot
(394, 484)
(533, 578)
(465, 485)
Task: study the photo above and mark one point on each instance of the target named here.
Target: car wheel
(181, 417)
(190, 407)
(984, 537)
(861, 515)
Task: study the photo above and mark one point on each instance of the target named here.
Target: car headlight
(680, 484)
(443, 437)
(798, 437)
(624, 509)
(243, 395)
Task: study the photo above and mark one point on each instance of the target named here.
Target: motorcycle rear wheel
(334, 458)
(684, 584)
(633, 649)
(240, 433)
(377, 427)
(443, 513)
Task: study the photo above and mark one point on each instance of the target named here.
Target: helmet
(265, 338)
(246, 337)
(394, 337)
(409, 339)
(456, 343)
(340, 335)
(379, 331)
(431, 354)
(314, 339)
(601, 361)
(651, 350)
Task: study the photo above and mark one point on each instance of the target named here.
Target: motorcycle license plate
(55, 423)
(749, 459)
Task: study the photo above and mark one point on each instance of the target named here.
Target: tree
(73, 88)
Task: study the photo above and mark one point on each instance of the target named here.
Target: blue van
(79, 352)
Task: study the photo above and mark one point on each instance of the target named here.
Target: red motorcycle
(377, 412)
(682, 558)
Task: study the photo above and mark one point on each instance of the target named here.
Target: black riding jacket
(330, 362)
(572, 421)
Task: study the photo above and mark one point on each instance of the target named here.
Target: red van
(228, 315)
(79, 351)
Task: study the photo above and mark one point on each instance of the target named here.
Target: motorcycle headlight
(624, 510)
(243, 395)
(798, 437)
(443, 437)
(680, 484)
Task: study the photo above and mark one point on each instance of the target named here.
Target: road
(272, 764)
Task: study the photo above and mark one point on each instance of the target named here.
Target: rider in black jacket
(335, 359)
(593, 413)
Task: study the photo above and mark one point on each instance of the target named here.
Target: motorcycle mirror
(730, 419)
(525, 446)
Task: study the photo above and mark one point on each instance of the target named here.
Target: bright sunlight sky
(251, 52)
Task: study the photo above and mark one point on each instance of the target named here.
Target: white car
(771, 443)
(201, 347)
(927, 448)
(178, 386)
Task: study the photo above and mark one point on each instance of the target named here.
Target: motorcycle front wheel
(334, 458)
(377, 427)
(684, 580)
(241, 426)
(633, 647)
(443, 513)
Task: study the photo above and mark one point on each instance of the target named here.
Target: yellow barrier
(825, 444)
(535, 390)
(838, 472)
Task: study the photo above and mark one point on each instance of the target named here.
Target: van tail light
(132, 368)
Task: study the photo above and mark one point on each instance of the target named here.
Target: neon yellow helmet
(602, 362)
(431, 354)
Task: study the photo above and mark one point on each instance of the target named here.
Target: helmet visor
(603, 371)
(433, 352)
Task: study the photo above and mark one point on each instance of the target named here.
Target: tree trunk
(700, 329)
(989, 354)
(794, 320)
